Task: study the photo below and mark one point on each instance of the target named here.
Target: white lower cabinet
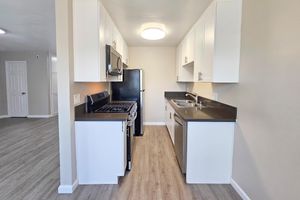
(169, 117)
(101, 153)
(209, 152)
(209, 149)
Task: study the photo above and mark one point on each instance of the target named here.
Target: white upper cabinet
(125, 56)
(185, 58)
(184, 71)
(218, 35)
(216, 43)
(188, 47)
(93, 28)
(86, 40)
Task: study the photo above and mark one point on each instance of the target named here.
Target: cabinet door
(172, 124)
(199, 50)
(108, 28)
(125, 53)
(166, 113)
(184, 50)
(190, 45)
(169, 118)
(204, 50)
(209, 42)
(102, 32)
(120, 44)
(117, 40)
(86, 39)
(178, 61)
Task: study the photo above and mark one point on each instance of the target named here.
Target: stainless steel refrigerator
(131, 89)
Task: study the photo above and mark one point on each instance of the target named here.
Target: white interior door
(17, 93)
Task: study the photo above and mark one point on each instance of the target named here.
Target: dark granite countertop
(82, 115)
(212, 111)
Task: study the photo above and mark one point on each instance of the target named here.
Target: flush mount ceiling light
(54, 58)
(2, 32)
(153, 31)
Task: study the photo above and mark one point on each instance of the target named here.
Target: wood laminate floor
(29, 168)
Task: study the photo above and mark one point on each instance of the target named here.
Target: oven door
(130, 142)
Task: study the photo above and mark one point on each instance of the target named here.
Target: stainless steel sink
(183, 103)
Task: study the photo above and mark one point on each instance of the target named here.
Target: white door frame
(7, 89)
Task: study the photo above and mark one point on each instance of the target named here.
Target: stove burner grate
(115, 108)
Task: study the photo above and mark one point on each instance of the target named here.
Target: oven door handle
(135, 116)
(130, 122)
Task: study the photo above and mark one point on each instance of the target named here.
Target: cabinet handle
(199, 76)
(185, 59)
(170, 116)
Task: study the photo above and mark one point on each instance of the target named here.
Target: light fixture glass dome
(2, 31)
(153, 33)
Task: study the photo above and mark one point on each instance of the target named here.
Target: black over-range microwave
(114, 65)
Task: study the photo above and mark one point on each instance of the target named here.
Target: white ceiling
(30, 25)
(177, 15)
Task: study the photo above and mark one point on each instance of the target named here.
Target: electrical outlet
(76, 99)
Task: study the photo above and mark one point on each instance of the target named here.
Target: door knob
(23, 93)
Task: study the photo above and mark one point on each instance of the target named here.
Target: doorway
(17, 91)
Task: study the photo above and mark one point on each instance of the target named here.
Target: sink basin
(183, 103)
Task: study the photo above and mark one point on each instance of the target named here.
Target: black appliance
(114, 65)
(131, 89)
(99, 103)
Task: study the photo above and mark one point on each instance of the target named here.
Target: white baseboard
(4, 116)
(39, 116)
(239, 190)
(67, 189)
(54, 114)
(154, 123)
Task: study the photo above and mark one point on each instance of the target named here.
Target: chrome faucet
(194, 96)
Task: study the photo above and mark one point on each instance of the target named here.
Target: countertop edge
(82, 116)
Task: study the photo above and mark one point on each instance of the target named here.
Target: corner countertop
(82, 115)
(213, 111)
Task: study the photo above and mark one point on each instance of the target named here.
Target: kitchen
(164, 100)
(102, 158)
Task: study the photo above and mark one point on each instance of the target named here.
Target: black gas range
(115, 107)
(100, 103)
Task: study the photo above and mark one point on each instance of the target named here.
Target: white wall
(37, 78)
(66, 89)
(85, 89)
(267, 137)
(158, 64)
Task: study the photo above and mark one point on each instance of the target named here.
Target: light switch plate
(76, 99)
